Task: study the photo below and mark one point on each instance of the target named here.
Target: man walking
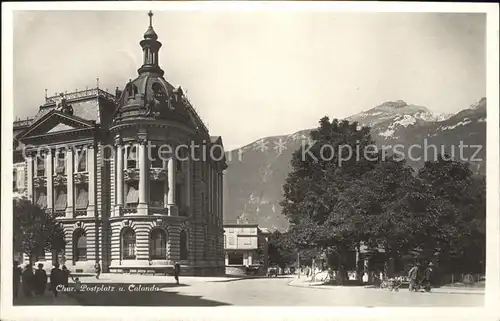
(56, 278)
(428, 277)
(413, 275)
(97, 268)
(177, 271)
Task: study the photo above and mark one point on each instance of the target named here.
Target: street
(223, 291)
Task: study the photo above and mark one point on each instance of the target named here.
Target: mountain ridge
(254, 179)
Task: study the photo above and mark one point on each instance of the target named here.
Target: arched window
(80, 245)
(183, 245)
(128, 244)
(158, 244)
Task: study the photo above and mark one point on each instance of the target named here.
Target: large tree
(35, 230)
(340, 195)
(321, 174)
(456, 215)
(280, 252)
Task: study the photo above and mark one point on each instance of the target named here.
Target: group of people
(35, 282)
(421, 276)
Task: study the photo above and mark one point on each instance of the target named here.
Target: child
(78, 285)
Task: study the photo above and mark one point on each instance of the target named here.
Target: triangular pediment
(56, 122)
(61, 127)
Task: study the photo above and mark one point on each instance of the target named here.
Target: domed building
(135, 178)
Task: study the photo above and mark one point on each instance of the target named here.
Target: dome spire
(150, 47)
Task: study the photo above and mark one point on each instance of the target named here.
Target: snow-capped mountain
(387, 119)
(257, 171)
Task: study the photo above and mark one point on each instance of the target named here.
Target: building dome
(150, 96)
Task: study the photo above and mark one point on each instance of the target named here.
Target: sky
(257, 74)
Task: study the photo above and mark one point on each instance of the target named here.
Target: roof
(85, 103)
(240, 225)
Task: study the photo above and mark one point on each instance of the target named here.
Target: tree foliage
(341, 193)
(35, 230)
(280, 252)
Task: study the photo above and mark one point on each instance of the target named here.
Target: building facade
(135, 177)
(245, 246)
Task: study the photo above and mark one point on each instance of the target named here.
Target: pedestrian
(177, 271)
(65, 275)
(56, 278)
(28, 280)
(16, 278)
(97, 268)
(40, 280)
(428, 273)
(78, 285)
(413, 275)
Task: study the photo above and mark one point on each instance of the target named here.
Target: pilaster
(172, 208)
(119, 178)
(49, 175)
(91, 161)
(142, 207)
(70, 159)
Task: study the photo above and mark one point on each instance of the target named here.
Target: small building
(245, 246)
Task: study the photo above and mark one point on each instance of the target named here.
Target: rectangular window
(156, 161)
(131, 156)
(41, 197)
(20, 179)
(157, 193)
(82, 160)
(14, 178)
(132, 194)
(60, 163)
(82, 196)
(40, 166)
(61, 199)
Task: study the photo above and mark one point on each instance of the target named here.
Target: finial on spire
(150, 14)
(97, 81)
(45, 93)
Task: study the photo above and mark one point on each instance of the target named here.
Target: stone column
(172, 210)
(50, 182)
(210, 191)
(142, 207)
(29, 186)
(165, 185)
(119, 178)
(91, 168)
(219, 197)
(71, 190)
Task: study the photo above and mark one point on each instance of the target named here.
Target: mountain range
(257, 171)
